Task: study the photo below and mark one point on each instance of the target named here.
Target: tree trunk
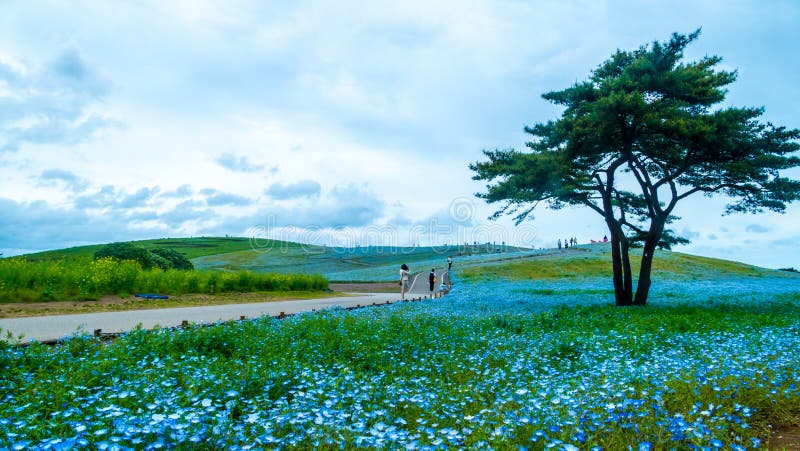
(620, 263)
(626, 268)
(643, 287)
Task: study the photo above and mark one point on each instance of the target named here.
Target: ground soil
(373, 287)
(113, 303)
(785, 439)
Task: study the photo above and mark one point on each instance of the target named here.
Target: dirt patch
(785, 439)
(367, 287)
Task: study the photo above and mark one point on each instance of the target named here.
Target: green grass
(191, 247)
(381, 263)
(592, 261)
(530, 344)
(82, 278)
(461, 372)
(261, 255)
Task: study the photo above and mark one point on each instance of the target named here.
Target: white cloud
(54, 177)
(381, 105)
(218, 199)
(238, 163)
(303, 188)
(50, 103)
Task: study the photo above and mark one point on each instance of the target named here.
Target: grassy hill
(350, 264)
(371, 263)
(191, 247)
(379, 264)
(594, 260)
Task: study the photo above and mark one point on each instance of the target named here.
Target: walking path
(42, 328)
(55, 327)
(420, 283)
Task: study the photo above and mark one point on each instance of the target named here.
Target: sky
(340, 123)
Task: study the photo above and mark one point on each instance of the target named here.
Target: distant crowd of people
(568, 242)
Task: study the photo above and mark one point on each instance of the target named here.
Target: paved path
(420, 286)
(59, 326)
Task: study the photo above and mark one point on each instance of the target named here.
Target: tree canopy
(645, 131)
(161, 258)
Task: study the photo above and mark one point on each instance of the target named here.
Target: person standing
(449, 262)
(431, 280)
(559, 244)
(403, 281)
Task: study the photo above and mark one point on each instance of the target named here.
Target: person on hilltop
(403, 281)
(605, 238)
(431, 280)
(449, 262)
(559, 244)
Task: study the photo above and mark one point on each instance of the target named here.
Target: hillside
(374, 264)
(594, 260)
(379, 264)
(369, 263)
(191, 247)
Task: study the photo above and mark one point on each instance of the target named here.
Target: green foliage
(645, 118)
(190, 247)
(176, 259)
(162, 258)
(160, 262)
(125, 251)
(22, 280)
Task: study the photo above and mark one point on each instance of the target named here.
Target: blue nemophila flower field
(497, 364)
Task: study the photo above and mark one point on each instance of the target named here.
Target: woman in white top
(403, 280)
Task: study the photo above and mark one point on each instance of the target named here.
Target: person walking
(449, 262)
(403, 281)
(431, 280)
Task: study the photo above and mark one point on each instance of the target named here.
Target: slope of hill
(379, 263)
(346, 264)
(191, 247)
(594, 260)
(371, 263)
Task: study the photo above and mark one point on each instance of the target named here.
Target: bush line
(85, 279)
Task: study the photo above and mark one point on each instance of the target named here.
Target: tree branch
(633, 227)
(709, 189)
(650, 195)
(594, 207)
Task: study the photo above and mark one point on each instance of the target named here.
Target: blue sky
(335, 122)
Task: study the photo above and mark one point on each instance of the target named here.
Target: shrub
(125, 251)
(160, 262)
(26, 281)
(175, 258)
